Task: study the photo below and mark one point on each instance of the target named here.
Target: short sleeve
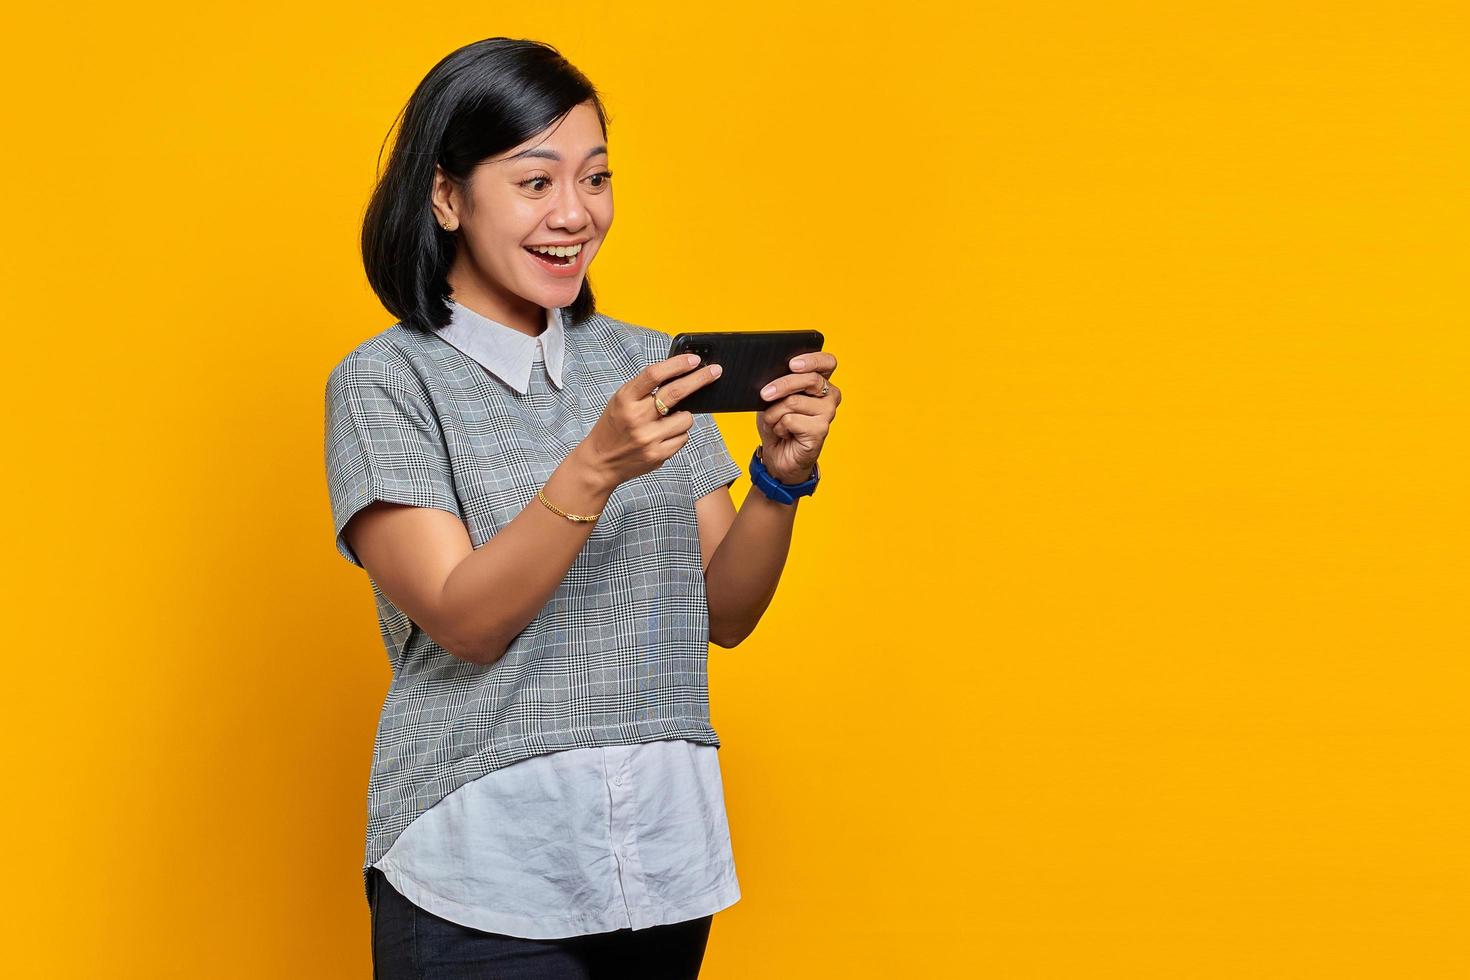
(709, 459)
(383, 442)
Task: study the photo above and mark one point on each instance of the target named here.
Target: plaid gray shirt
(618, 654)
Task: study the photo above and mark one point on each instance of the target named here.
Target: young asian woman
(552, 546)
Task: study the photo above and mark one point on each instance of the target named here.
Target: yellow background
(1126, 636)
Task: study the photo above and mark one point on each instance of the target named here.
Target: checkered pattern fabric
(618, 655)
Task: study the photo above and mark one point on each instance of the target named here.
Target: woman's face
(554, 189)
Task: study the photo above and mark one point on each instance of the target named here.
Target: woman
(552, 547)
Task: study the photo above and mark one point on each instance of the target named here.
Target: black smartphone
(749, 359)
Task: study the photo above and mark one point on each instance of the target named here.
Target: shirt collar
(505, 351)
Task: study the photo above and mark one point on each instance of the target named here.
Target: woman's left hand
(794, 427)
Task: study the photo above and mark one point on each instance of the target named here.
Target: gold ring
(825, 388)
(662, 408)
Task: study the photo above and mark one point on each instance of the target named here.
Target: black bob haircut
(479, 101)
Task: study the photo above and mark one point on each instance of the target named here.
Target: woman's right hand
(632, 438)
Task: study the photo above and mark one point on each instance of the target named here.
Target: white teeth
(562, 250)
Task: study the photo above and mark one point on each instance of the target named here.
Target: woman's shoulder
(653, 341)
(390, 356)
(637, 328)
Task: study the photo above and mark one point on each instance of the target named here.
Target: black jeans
(410, 943)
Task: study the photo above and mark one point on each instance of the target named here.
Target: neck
(489, 301)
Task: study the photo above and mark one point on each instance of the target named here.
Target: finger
(641, 385)
(788, 383)
(794, 425)
(799, 405)
(823, 362)
(669, 425)
(679, 389)
(674, 443)
(802, 405)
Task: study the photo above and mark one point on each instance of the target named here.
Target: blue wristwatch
(782, 493)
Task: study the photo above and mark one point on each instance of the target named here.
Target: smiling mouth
(561, 265)
(554, 257)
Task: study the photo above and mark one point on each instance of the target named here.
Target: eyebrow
(538, 151)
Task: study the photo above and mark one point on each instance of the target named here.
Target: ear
(442, 199)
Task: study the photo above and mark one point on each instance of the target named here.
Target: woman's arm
(750, 549)
(474, 602)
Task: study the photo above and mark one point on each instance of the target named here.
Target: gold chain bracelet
(580, 518)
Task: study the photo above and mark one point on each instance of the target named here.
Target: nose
(567, 210)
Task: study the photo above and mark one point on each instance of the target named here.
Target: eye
(603, 177)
